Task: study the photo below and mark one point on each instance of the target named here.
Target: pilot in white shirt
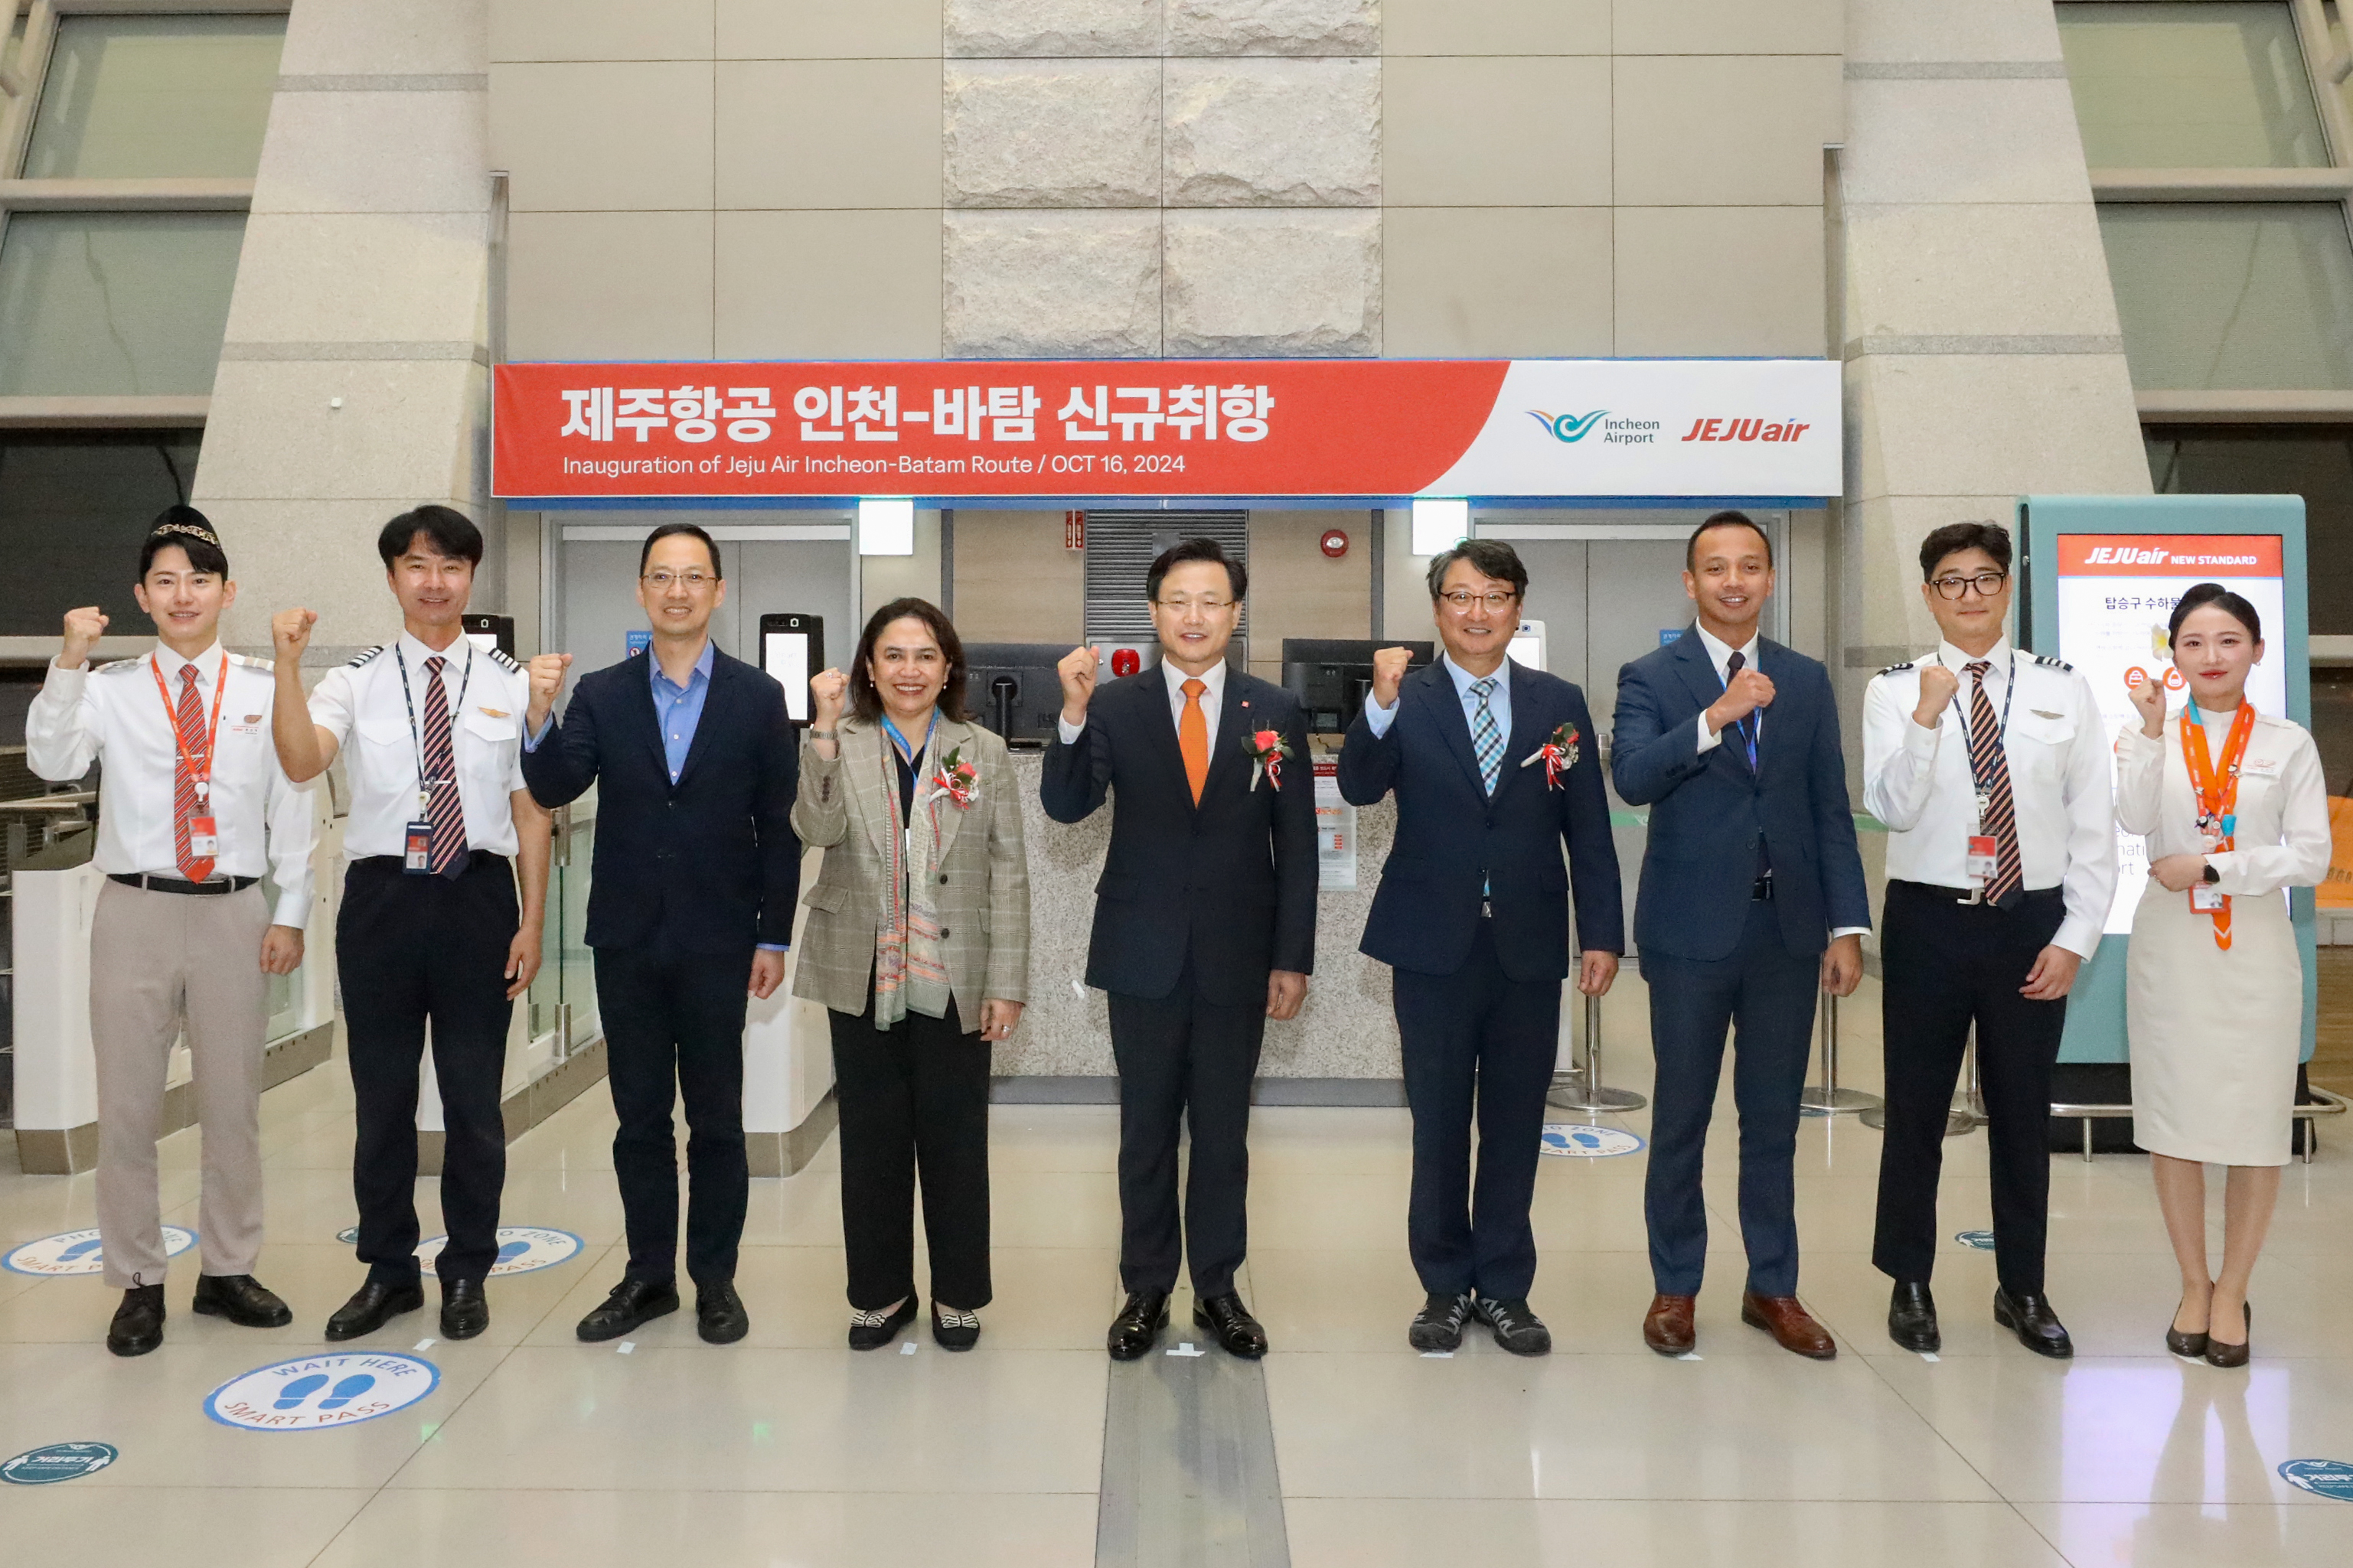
(1990, 769)
(194, 811)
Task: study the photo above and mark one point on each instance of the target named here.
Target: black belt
(2027, 896)
(474, 858)
(176, 885)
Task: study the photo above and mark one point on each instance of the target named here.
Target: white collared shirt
(1213, 700)
(363, 706)
(1719, 654)
(115, 716)
(1918, 781)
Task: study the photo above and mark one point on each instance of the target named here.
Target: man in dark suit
(1752, 901)
(689, 909)
(1204, 924)
(1495, 768)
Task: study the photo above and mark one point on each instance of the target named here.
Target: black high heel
(2193, 1346)
(2226, 1356)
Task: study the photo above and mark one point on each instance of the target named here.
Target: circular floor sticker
(58, 1462)
(2322, 1477)
(1581, 1140)
(1980, 1239)
(523, 1250)
(76, 1252)
(313, 1393)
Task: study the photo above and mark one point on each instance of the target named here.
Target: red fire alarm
(1126, 661)
(1336, 542)
(1074, 531)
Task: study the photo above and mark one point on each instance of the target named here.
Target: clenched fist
(1749, 691)
(828, 695)
(2149, 697)
(83, 628)
(289, 634)
(546, 674)
(1389, 671)
(1078, 669)
(1937, 684)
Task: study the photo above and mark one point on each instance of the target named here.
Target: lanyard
(2216, 786)
(1750, 728)
(2009, 697)
(201, 773)
(416, 736)
(914, 755)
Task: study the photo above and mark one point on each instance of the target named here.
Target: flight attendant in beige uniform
(2234, 810)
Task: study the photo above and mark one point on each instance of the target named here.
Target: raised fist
(1078, 669)
(289, 633)
(828, 695)
(83, 628)
(1937, 686)
(546, 674)
(1389, 670)
(1750, 690)
(2148, 698)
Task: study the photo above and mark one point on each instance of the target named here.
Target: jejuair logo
(1567, 427)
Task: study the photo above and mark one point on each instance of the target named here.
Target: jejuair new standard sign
(1067, 428)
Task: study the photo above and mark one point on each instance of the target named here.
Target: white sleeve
(1899, 758)
(293, 835)
(1068, 731)
(333, 703)
(1709, 739)
(1379, 719)
(2140, 779)
(2089, 887)
(61, 726)
(2301, 859)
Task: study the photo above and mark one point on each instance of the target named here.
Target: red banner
(2185, 556)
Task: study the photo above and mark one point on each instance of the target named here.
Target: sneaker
(1439, 1325)
(1517, 1329)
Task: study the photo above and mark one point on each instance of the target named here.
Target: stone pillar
(354, 381)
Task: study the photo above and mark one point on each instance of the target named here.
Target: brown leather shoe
(1667, 1326)
(1792, 1327)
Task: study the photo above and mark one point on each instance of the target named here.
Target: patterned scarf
(910, 971)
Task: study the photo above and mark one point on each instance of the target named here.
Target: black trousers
(409, 951)
(1765, 993)
(912, 1097)
(1945, 965)
(1185, 1064)
(1479, 1044)
(674, 1028)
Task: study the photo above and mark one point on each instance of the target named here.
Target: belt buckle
(1486, 909)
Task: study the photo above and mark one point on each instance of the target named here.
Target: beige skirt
(2215, 1035)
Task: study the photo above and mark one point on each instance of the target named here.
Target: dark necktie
(1989, 768)
(447, 810)
(1732, 666)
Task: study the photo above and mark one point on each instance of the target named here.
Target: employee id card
(416, 838)
(1982, 858)
(2207, 899)
(204, 831)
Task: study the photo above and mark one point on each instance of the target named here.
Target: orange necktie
(1193, 738)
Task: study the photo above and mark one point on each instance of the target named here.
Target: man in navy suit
(1495, 767)
(1752, 899)
(689, 909)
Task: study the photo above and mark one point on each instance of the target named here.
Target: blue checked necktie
(447, 811)
(1486, 736)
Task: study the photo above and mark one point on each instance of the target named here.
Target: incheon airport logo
(1567, 427)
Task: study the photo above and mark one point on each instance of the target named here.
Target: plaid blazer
(844, 809)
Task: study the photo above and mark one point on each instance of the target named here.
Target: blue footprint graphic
(78, 1250)
(301, 1389)
(350, 1388)
(510, 1251)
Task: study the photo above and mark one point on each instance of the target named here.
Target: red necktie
(190, 721)
(447, 811)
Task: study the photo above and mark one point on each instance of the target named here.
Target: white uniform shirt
(1918, 781)
(361, 705)
(115, 716)
(1213, 700)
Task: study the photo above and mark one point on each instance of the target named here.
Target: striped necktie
(190, 721)
(1990, 770)
(1486, 736)
(446, 811)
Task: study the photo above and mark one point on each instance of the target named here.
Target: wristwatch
(2211, 875)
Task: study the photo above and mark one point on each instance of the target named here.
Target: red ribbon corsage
(1267, 750)
(1558, 754)
(957, 779)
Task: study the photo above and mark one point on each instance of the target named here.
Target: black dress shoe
(2227, 1355)
(1517, 1329)
(2037, 1328)
(1911, 1318)
(633, 1303)
(138, 1325)
(872, 1331)
(1439, 1325)
(371, 1305)
(242, 1299)
(1225, 1317)
(465, 1310)
(719, 1314)
(1138, 1324)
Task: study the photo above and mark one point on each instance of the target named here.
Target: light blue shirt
(1379, 719)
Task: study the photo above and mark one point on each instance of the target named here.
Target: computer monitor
(1330, 675)
(792, 648)
(1015, 689)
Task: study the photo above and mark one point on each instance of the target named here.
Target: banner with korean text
(1074, 428)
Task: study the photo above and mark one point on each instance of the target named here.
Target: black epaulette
(505, 661)
(1899, 668)
(370, 654)
(2048, 662)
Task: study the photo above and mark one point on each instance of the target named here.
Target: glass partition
(115, 303)
(2254, 295)
(2196, 84)
(150, 96)
(563, 995)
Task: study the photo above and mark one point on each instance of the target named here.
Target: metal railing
(1582, 1089)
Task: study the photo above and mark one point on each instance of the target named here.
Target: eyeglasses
(1463, 599)
(660, 579)
(1987, 584)
(1207, 606)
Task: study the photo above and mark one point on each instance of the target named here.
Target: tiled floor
(790, 1450)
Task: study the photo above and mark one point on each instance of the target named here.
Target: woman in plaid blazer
(918, 944)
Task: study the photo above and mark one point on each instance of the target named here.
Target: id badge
(417, 858)
(1983, 857)
(203, 838)
(2207, 899)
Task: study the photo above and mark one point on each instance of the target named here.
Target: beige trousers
(156, 959)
